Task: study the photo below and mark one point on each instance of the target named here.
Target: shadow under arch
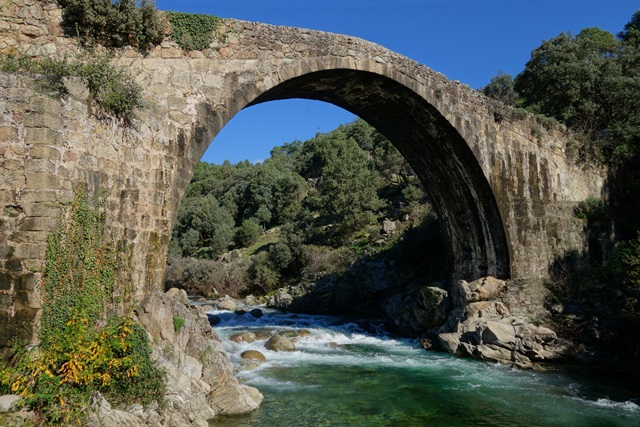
(442, 159)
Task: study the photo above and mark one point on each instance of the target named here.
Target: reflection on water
(341, 375)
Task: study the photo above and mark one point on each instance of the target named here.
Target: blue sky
(467, 40)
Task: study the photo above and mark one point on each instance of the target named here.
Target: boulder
(199, 373)
(227, 303)
(253, 355)
(498, 333)
(484, 289)
(481, 326)
(179, 295)
(213, 319)
(251, 300)
(418, 309)
(279, 343)
(450, 342)
(263, 335)
(257, 313)
(8, 402)
(243, 337)
(388, 226)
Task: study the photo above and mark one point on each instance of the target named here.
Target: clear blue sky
(467, 40)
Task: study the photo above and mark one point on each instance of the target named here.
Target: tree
(348, 187)
(631, 32)
(248, 232)
(574, 79)
(501, 88)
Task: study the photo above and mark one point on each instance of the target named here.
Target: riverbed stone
(253, 355)
(243, 337)
(279, 343)
(227, 303)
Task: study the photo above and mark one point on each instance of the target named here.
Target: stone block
(38, 196)
(30, 251)
(44, 181)
(34, 119)
(5, 281)
(45, 152)
(11, 180)
(42, 210)
(38, 224)
(29, 281)
(42, 135)
(8, 134)
(34, 166)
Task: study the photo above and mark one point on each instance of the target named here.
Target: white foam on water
(627, 406)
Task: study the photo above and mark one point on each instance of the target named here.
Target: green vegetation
(178, 323)
(192, 31)
(112, 88)
(323, 202)
(82, 351)
(135, 23)
(113, 23)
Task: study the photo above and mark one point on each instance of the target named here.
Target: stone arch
(442, 159)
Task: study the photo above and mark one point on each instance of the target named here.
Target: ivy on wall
(193, 31)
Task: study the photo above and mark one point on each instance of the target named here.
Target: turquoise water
(344, 376)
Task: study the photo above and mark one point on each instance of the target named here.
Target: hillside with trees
(312, 210)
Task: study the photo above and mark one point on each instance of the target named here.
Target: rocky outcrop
(200, 381)
(481, 326)
(418, 309)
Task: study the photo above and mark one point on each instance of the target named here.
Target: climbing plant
(193, 31)
(82, 351)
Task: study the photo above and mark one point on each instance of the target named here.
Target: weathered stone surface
(279, 342)
(253, 355)
(243, 337)
(200, 381)
(227, 303)
(486, 329)
(8, 402)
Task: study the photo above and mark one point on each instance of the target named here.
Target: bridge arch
(442, 159)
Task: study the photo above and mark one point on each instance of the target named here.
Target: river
(342, 375)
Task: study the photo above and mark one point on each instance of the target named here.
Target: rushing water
(341, 375)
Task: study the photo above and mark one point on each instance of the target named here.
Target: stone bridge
(504, 187)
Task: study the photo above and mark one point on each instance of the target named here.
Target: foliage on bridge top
(113, 89)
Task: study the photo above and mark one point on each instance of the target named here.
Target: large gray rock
(279, 343)
(418, 309)
(227, 303)
(482, 327)
(484, 289)
(199, 374)
(8, 402)
(498, 333)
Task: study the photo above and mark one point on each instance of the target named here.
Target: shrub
(112, 88)
(591, 208)
(248, 233)
(81, 352)
(178, 323)
(208, 277)
(113, 23)
(192, 31)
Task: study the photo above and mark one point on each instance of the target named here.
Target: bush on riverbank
(82, 351)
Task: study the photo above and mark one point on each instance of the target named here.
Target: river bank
(344, 374)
